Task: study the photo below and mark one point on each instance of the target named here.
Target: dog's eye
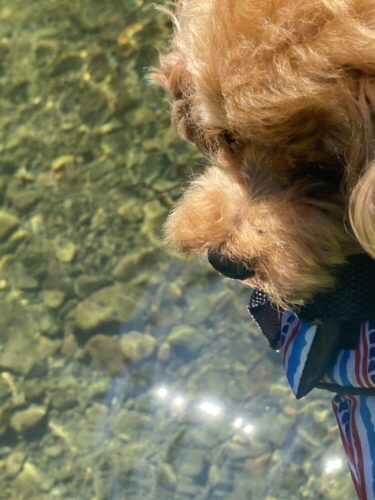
(229, 140)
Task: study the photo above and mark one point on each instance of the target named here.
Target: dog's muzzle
(227, 267)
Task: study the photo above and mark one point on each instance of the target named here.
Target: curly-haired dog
(280, 95)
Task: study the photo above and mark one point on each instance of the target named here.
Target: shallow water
(127, 372)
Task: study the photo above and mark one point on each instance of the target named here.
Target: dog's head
(280, 95)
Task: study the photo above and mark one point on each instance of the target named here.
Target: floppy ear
(171, 74)
(173, 77)
(362, 210)
(361, 177)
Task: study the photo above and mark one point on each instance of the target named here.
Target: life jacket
(310, 361)
(330, 344)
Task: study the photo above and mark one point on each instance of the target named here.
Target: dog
(279, 95)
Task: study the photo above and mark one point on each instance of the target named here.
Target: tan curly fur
(280, 95)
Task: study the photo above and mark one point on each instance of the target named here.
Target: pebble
(86, 284)
(98, 389)
(48, 347)
(131, 423)
(53, 298)
(105, 353)
(14, 463)
(193, 464)
(54, 451)
(186, 338)
(110, 304)
(69, 346)
(8, 223)
(31, 482)
(48, 325)
(256, 466)
(137, 346)
(66, 253)
(164, 352)
(22, 279)
(18, 236)
(23, 420)
(25, 200)
(62, 162)
(37, 223)
(131, 210)
(10, 358)
(130, 264)
(166, 476)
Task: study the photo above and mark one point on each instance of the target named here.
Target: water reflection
(333, 465)
(207, 409)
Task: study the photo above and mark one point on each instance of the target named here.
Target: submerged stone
(164, 352)
(106, 354)
(31, 483)
(132, 423)
(25, 200)
(19, 337)
(8, 223)
(23, 420)
(14, 463)
(131, 210)
(166, 477)
(53, 298)
(21, 277)
(86, 284)
(137, 346)
(134, 263)
(114, 303)
(186, 338)
(67, 252)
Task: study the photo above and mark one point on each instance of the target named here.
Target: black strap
(267, 317)
(349, 391)
(352, 298)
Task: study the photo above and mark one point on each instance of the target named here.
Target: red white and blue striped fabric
(296, 340)
(355, 415)
(356, 367)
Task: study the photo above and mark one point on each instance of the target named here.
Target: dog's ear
(171, 74)
(360, 177)
(173, 77)
(362, 210)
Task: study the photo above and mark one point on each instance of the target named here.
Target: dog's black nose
(230, 268)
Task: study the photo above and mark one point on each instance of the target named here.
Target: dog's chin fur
(269, 89)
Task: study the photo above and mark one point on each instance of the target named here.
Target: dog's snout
(228, 267)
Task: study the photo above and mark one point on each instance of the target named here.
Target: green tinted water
(126, 372)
